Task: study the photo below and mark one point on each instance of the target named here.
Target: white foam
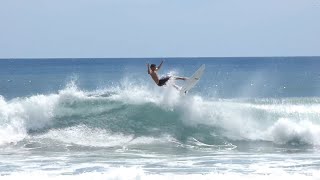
(288, 108)
(134, 173)
(305, 132)
(133, 93)
(278, 123)
(20, 115)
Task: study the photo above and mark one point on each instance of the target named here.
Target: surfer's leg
(177, 87)
(180, 78)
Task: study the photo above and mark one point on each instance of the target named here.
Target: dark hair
(152, 65)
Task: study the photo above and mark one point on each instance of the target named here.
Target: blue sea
(95, 118)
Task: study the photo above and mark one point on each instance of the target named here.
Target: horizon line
(169, 57)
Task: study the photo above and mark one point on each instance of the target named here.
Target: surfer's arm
(148, 68)
(160, 65)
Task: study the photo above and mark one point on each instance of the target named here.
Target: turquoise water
(105, 119)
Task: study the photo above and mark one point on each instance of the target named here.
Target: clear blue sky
(158, 28)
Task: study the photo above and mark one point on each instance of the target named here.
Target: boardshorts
(163, 81)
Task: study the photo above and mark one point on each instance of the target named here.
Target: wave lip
(20, 115)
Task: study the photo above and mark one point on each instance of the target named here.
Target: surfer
(152, 70)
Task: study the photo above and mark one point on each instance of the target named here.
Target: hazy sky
(158, 28)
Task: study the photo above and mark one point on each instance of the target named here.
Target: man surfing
(153, 69)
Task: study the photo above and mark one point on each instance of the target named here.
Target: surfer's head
(153, 67)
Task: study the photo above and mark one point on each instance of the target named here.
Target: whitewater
(89, 123)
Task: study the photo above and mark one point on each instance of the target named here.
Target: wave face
(137, 115)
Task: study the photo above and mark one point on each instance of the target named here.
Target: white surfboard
(193, 80)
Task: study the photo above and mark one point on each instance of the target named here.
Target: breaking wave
(135, 115)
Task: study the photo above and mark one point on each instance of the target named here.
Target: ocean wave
(116, 115)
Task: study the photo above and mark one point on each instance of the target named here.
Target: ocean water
(248, 118)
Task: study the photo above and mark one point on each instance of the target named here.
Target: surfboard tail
(193, 80)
